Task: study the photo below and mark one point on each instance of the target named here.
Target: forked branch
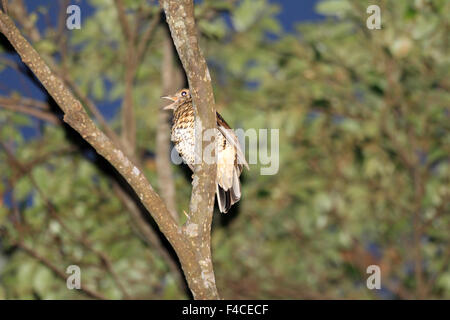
(195, 259)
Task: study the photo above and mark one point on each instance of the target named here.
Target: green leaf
(98, 88)
(333, 7)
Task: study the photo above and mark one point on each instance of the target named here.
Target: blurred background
(364, 150)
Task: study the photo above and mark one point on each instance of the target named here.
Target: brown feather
(230, 158)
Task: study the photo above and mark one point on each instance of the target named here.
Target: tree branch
(78, 119)
(149, 235)
(104, 258)
(126, 29)
(23, 108)
(196, 264)
(90, 293)
(143, 42)
(171, 81)
(145, 229)
(18, 11)
(180, 18)
(5, 6)
(130, 65)
(27, 102)
(94, 111)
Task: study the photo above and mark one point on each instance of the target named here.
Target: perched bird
(230, 157)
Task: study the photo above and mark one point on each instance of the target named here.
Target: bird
(230, 158)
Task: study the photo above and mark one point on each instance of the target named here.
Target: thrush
(230, 158)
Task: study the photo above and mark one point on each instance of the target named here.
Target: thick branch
(180, 18)
(200, 279)
(78, 119)
(89, 104)
(146, 230)
(149, 235)
(18, 11)
(55, 215)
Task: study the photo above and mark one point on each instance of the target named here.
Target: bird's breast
(183, 136)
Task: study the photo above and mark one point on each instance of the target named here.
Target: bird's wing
(228, 133)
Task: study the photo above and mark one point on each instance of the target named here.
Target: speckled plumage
(183, 132)
(230, 158)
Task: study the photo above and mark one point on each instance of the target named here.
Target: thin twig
(126, 29)
(171, 81)
(130, 66)
(61, 274)
(39, 114)
(5, 6)
(149, 234)
(54, 214)
(197, 271)
(145, 39)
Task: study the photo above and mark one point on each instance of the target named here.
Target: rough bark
(194, 255)
(29, 106)
(181, 21)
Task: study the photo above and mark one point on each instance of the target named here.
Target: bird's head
(181, 97)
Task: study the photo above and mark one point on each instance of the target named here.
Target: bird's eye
(183, 93)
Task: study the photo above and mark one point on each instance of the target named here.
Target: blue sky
(294, 11)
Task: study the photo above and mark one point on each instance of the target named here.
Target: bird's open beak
(172, 105)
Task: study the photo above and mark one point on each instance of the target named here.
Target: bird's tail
(226, 198)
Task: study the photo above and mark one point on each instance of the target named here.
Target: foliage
(364, 159)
